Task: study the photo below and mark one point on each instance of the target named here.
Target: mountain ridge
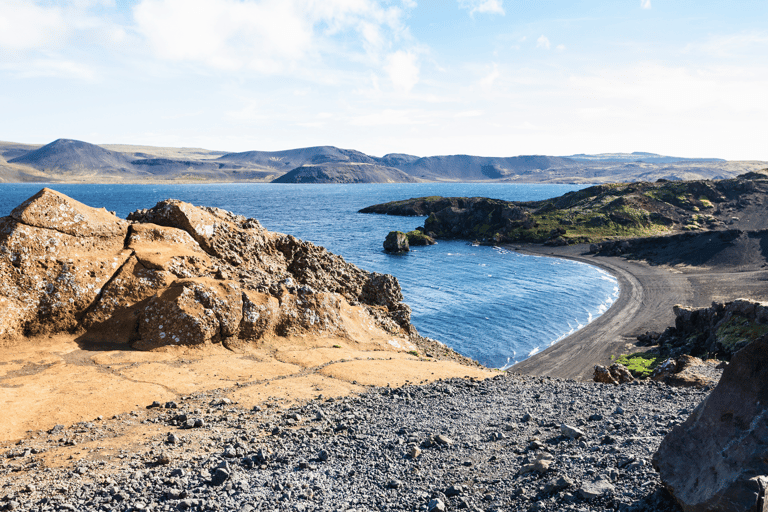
(68, 160)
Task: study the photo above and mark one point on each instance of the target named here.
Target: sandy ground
(55, 380)
(648, 293)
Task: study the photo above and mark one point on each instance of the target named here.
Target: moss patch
(737, 331)
(641, 364)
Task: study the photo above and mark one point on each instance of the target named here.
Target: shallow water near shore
(493, 305)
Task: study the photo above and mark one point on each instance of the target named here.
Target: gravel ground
(507, 443)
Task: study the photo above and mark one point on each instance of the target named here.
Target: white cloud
(268, 35)
(26, 25)
(403, 70)
(483, 6)
(543, 42)
(560, 47)
(645, 4)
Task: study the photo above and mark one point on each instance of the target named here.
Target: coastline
(647, 294)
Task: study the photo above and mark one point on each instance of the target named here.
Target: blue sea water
(491, 304)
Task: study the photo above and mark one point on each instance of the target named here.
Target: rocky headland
(595, 214)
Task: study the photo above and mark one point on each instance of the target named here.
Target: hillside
(345, 173)
(72, 155)
(72, 161)
(595, 214)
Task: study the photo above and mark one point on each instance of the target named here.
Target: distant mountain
(73, 155)
(293, 158)
(66, 160)
(466, 167)
(639, 156)
(336, 172)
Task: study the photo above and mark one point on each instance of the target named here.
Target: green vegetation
(641, 364)
(738, 331)
(417, 237)
(593, 214)
(413, 353)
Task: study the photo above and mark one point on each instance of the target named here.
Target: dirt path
(648, 294)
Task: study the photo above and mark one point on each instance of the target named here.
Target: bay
(493, 305)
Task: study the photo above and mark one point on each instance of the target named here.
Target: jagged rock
(716, 459)
(616, 374)
(49, 276)
(718, 331)
(680, 372)
(570, 431)
(396, 242)
(191, 312)
(417, 237)
(179, 275)
(603, 375)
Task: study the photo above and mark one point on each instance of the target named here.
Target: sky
(685, 78)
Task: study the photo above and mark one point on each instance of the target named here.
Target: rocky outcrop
(717, 459)
(615, 374)
(396, 242)
(417, 237)
(715, 332)
(175, 274)
(682, 372)
(600, 214)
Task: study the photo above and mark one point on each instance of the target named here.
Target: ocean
(493, 305)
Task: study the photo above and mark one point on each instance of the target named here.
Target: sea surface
(493, 305)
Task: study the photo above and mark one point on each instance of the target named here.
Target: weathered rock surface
(175, 275)
(615, 374)
(718, 331)
(396, 242)
(717, 459)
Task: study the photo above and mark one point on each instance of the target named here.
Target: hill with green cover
(595, 214)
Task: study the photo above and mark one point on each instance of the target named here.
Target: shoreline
(647, 294)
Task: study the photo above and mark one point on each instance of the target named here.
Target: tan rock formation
(177, 275)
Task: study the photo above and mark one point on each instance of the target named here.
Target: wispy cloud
(25, 25)
(645, 4)
(269, 36)
(543, 42)
(483, 6)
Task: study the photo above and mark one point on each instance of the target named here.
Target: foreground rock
(716, 460)
(176, 274)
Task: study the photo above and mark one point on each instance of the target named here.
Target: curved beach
(648, 293)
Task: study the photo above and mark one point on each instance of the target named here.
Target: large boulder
(396, 242)
(176, 274)
(56, 254)
(717, 460)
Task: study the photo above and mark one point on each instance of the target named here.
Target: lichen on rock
(176, 274)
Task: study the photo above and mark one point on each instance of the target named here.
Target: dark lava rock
(396, 242)
(717, 459)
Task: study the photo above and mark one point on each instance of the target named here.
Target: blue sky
(425, 77)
